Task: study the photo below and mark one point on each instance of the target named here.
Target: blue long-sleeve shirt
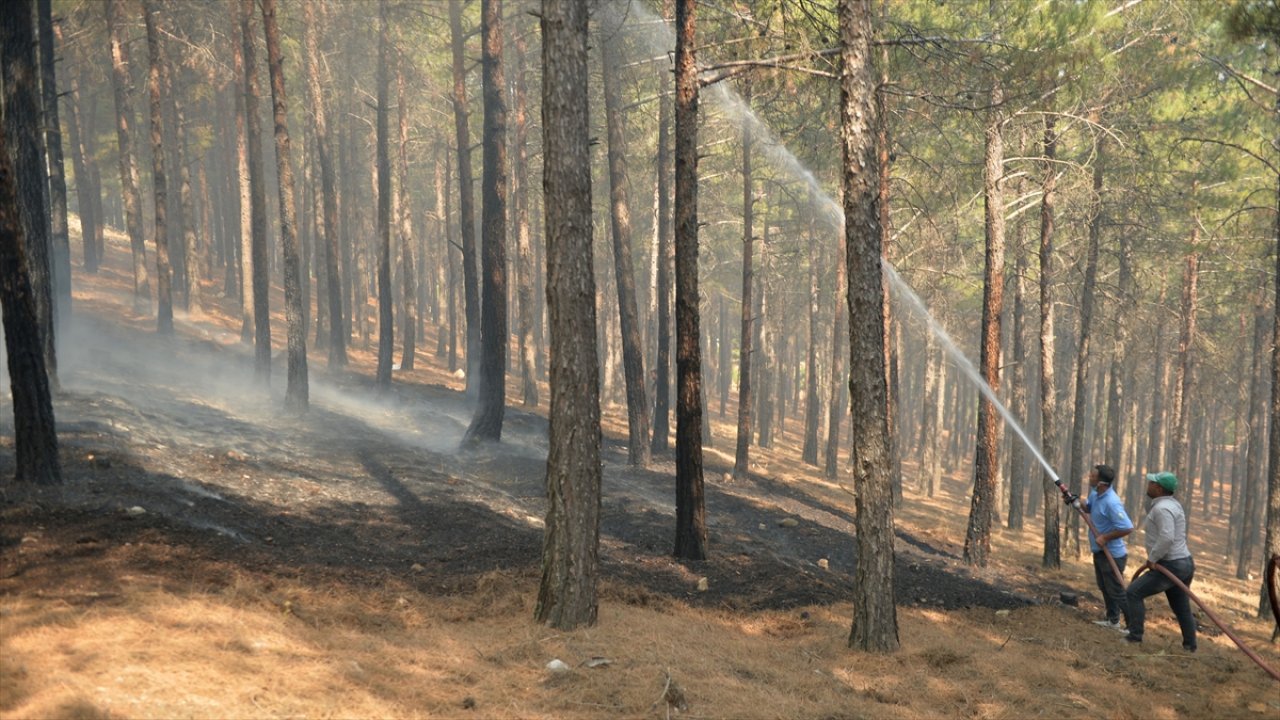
(1108, 514)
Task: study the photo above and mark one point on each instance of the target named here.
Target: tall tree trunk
(1079, 411)
(638, 449)
(525, 268)
(466, 221)
(1117, 403)
(1186, 370)
(665, 259)
(741, 459)
(60, 257)
(1019, 457)
(337, 343)
(986, 462)
(22, 118)
(839, 385)
(1255, 459)
(409, 322)
(1155, 431)
(875, 620)
(82, 160)
(386, 326)
(567, 594)
(157, 86)
(190, 244)
(486, 423)
(812, 403)
(35, 429)
(255, 267)
(1272, 542)
(296, 391)
(691, 521)
(933, 412)
(1052, 555)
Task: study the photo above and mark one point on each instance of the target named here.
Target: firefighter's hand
(1070, 498)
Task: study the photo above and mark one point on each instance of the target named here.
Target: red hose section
(1221, 625)
(1275, 605)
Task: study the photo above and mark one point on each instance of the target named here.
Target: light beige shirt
(1166, 530)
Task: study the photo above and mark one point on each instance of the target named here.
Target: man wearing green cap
(1166, 540)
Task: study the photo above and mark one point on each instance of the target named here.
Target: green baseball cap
(1166, 480)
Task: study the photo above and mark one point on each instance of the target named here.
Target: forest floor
(212, 556)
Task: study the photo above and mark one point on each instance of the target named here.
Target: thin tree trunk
(409, 322)
(1052, 555)
(691, 525)
(665, 259)
(486, 423)
(386, 327)
(337, 341)
(158, 86)
(1185, 378)
(255, 265)
(812, 404)
(90, 219)
(471, 290)
(1019, 456)
(524, 250)
(1255, 459)
(839, 384)
(60, 249)
(567, 594)
(638, 448)
(986, 463)
(741, 456)
(296, 391)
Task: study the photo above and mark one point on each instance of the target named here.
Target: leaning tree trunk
(157, 86)
(35, 435)
(296, 391)
(567, 594)
(1052, 555)
(60, 258)
(875, 619)
(638, 449)
(486, 423)
(466, 205)
(986, 462)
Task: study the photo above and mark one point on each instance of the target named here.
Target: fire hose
(1074, 501)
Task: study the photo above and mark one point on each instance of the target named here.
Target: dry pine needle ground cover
(212, 557)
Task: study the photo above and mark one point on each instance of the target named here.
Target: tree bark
(525, 269)
(840, 331)
(986, 462)
(1185, 374)
(35, 435)
(1255, 459)
(256, 264)
(1052, 555)
(638, 449)
(812, 403)
(567, 593)
(296, 395)
(409, 322)
(486, 423)
(60, 256)
(691, 522)
(741, 456)
(157, 85)
(875, 620)
(466, 209)
(665, 259)
(386, 325)
(337, 344)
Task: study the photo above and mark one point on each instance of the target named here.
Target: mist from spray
(661, 37)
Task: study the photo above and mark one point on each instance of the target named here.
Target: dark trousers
(1154, 581)
(1110, 585)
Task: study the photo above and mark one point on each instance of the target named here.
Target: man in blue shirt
(1108, 515)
